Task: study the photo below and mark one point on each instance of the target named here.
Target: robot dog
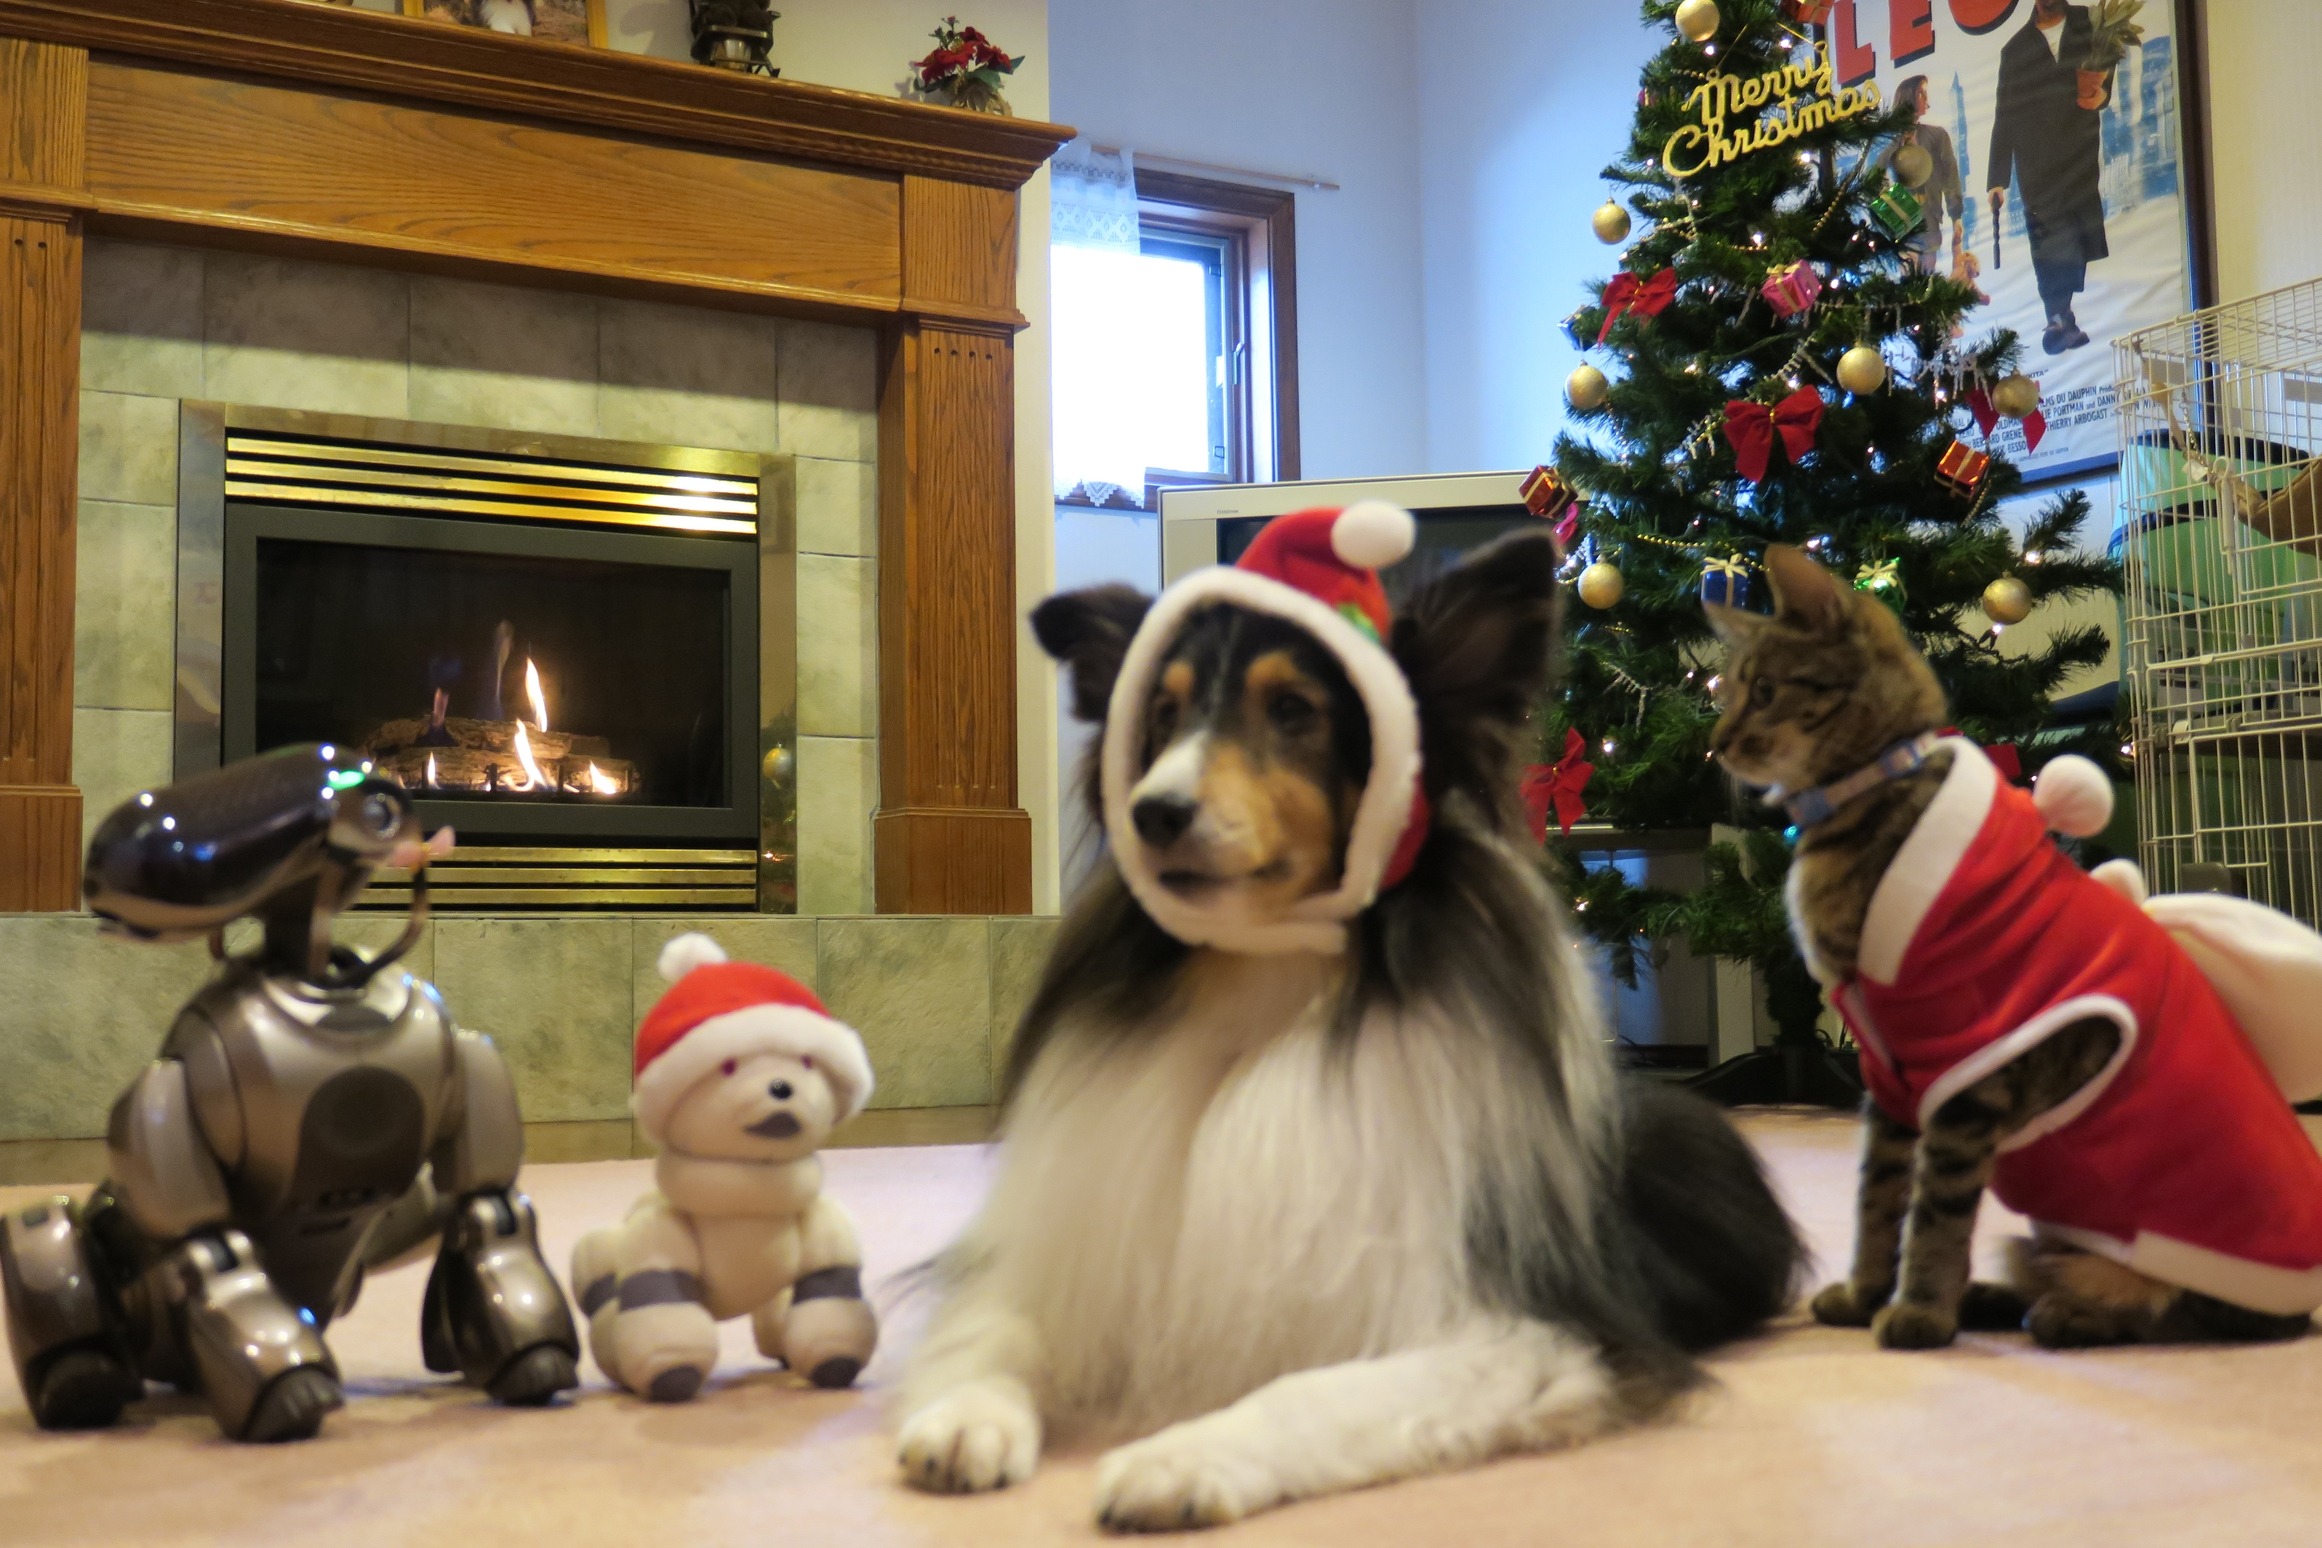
(311, 1115)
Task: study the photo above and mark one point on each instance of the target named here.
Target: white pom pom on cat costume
(1371, 534)
(2074, 797)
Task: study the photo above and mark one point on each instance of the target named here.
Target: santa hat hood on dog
(1317, 569)
(717, 1010)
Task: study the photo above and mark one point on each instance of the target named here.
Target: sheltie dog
(1309, 1188)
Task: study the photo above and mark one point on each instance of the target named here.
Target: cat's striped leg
(1885, 1193)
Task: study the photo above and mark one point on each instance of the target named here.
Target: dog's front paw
(980, 1436)
(1908, 1325)
(1847, 1305)
(1189, 1475)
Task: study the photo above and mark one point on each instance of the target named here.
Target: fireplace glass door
(521, 681)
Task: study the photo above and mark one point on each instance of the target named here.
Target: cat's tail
(1717, 1253)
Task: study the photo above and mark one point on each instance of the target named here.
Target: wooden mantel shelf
(415, 59)
(358, 137)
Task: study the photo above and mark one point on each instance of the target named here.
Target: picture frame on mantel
(559, 21)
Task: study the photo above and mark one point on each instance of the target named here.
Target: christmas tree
(1779, 357)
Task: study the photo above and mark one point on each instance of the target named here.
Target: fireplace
(554, 645)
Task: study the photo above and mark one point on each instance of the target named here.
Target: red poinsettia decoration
(1557, 786)
(966, 64)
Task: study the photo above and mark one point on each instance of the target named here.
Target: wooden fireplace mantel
(326, 132)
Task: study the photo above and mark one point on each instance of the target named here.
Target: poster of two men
(2057, 190)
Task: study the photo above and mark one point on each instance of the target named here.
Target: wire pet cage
(2220, 416)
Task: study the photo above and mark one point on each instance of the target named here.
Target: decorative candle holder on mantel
(734, 34)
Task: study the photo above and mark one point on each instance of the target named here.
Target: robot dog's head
(179, 862)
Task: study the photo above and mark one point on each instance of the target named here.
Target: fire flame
(431, 771)
(539, 704)
(601, 782)
(533, 778)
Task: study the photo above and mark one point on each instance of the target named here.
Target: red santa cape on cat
(2181, 1158)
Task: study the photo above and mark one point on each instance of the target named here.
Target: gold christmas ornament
(1862, 369)
(1610, 222)
(1601, 584)
(1698, 20)
(1913, 166)
(1585, 389)
(2016, 396)
(2005, 601)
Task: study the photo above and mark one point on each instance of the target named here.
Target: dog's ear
(1089, 631)
(1477, 644)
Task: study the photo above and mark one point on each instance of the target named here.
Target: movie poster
(2089, 239)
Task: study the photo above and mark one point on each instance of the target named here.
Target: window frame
(1263, 307)
(1259, 230)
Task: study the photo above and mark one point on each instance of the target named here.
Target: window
(1178, 359)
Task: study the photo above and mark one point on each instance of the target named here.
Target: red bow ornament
(1626, 293)
(1558, 785)
(1752, 428)
(1987, 416)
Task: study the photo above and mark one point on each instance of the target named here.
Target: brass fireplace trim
(371, 475)
(499, 878)
(300, 458)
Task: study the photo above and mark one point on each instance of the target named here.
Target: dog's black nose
(1162, 819)
(779, 1091)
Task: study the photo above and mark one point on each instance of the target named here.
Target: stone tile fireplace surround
(271, 206)
(935, 997)
(166, 325)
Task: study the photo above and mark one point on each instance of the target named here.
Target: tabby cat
(1809, 696)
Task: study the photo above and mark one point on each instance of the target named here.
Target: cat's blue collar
(1821, 803)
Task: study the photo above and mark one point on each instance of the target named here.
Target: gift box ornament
(1961, 468)
(1791, 289)
(1883, 580)
(1726, 582)
(1806, 13)
(1546, 494)
(1897, 210)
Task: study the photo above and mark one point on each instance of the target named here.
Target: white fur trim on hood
(792, 1030)
(1316, 923)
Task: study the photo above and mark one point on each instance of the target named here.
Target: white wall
(866, 45)
(1522, 103)
(2265, 117)
(1320, 87)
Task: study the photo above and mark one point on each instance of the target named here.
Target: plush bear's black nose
(1161, 820)
(779, 1091)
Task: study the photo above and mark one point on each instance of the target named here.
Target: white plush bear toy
(741, 1074)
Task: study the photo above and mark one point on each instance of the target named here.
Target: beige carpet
(1810, 1438)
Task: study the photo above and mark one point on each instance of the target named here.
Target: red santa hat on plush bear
(717, 1010)
(1317, 569)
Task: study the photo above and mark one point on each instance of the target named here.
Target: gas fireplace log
(494, 736)
(475, 771)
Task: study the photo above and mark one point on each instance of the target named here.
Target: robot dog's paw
(535, 1377)
(83, 1389)
(292, 1408)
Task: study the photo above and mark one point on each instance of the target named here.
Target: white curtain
(1093, 241)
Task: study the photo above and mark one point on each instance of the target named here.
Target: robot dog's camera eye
(728, 1067)
(381, 815)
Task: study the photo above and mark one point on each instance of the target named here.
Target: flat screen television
(1214, 523)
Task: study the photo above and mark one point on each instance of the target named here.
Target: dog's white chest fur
(1186, 1219)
